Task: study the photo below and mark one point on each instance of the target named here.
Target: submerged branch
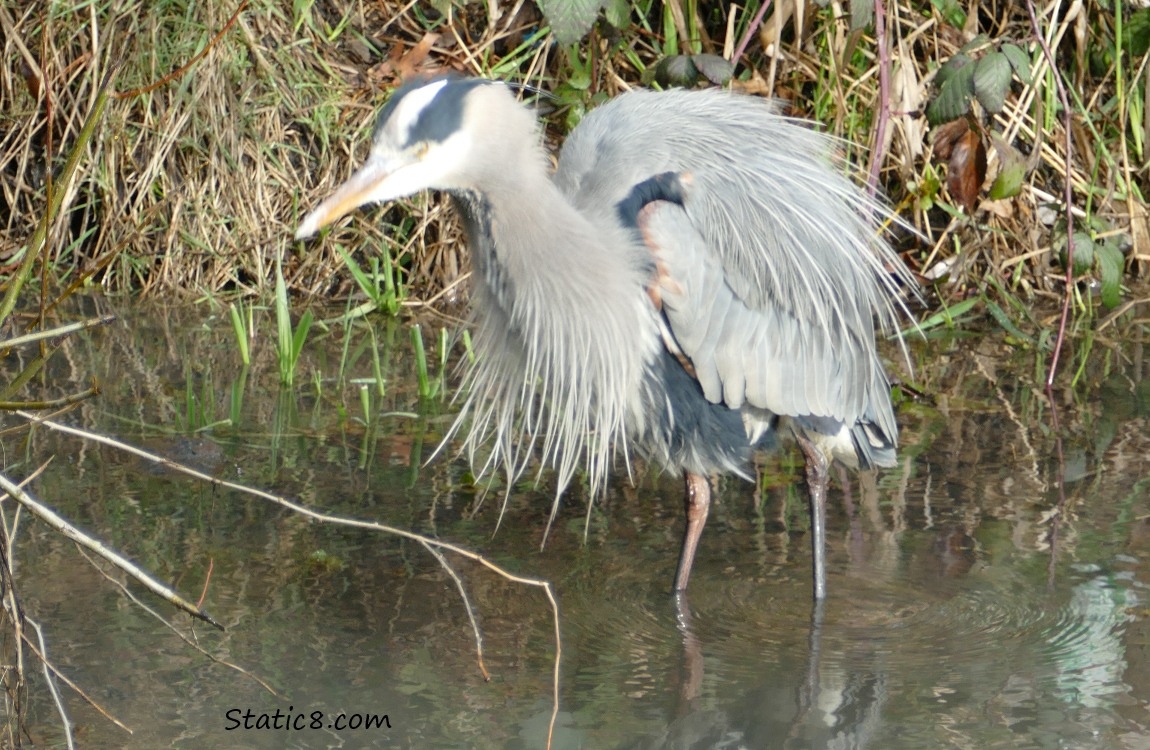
(51, 333)
(183, 637)
(55, 403)
(49, 667)
(426, 541)
(50, 517)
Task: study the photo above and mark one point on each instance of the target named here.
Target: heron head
(421, 142)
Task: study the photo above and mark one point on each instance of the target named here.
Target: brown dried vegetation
(194, 187)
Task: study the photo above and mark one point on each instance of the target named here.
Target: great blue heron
(695, 278)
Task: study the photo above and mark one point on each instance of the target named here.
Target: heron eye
(421, 149)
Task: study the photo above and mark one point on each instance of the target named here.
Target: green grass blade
(241, 331)
(40, 236)
(420, 362)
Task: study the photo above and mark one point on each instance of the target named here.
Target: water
(972, 604)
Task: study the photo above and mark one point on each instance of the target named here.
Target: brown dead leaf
(967, 170)
(1140, 231)
(401, 66)
(411, 63)
(945, 136)
(1002, 208)
(756, 85)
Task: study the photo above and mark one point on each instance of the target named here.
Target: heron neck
(475, 210)
(561, 316)
(523, 228)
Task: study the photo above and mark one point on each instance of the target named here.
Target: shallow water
(971, 603)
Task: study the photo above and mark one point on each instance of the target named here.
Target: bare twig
(878, 153)
(52, 403)
(75, 688)
(752, 27)
(303, 510)
(64, 330)
(466, 605)
(48, 675)
(50, 517)
(189, 641)
(1068, 195)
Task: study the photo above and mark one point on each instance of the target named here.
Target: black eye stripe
(441, 117)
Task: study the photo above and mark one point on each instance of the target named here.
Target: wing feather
(777, 278)
(765, 358)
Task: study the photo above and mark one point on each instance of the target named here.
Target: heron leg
(698, 505)
(818, 474)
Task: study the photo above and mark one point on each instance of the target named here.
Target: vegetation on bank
(221, 128)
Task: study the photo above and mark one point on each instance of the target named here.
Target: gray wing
(763, 357)
(769, 276)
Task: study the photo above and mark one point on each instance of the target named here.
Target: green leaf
(947, 315)
(676, 70)
(241, 330)
(1007, 324)
(1138, 32)
(1111, 264)
(992, 81)
(357, 273)
(618, 13)
(570, 20)
(1019, 62)
(718, 70)
(862, 14)
(953, 100)
(1083, 252)
(421, 375)
(951, 12)
(579, 73)
(974, 45)
(1011, 171)
(283, 315)
(950, 67)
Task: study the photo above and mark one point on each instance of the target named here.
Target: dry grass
(194, 187)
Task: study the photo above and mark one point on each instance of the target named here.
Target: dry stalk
(426, 541)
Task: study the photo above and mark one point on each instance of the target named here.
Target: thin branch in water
(50, 517)
(1068, 205)
(76, 688)
(170, 626)
(51, 333)
(23, 427)
(54, 403)
(303, 510)
(12, 606)
(1067, 196)
(207, 582)
(56, 698)
(466, 605)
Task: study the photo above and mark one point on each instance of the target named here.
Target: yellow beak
(361, 188)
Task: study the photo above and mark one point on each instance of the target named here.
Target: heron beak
(361, 188)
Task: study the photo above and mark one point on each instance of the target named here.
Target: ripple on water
(620, 638)
(987, 656)
(1070, 642)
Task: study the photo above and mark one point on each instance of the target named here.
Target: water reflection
(955, 618)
